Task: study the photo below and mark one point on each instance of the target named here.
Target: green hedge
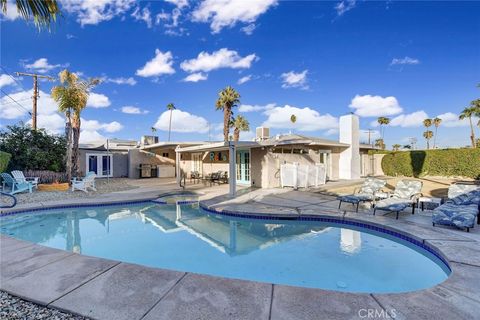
(4, 159)
(445, 162)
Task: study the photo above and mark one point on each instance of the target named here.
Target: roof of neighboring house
(218, 146)
(172, 144)
(293, 138)
(113, 144)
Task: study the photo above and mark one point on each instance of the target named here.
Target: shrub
(46, 176)
(444, 162)
(4, 159)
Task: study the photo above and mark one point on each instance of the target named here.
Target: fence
(302, 176)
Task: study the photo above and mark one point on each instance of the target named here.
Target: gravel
(14, 308)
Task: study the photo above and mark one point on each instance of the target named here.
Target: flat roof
(172, 144)
(219, 146)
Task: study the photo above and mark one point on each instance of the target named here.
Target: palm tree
(436, 122)
(469, 112)
(428, 123)
(170, 107)
(380, 144)
(72, 96)
(383, 121)
(42, 11)
(396, 147)
(153, 130)
(428, 135)
(228, 98)
(239, 124)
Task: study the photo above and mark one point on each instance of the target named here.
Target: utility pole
(35, 93)
(369, 131)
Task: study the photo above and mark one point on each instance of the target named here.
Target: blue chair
(14, 185)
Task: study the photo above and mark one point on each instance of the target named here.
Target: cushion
(392, 204)
(405, 189)
(462, 216)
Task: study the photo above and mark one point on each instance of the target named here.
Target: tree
(239, 124)
(380, 144)
(43, 12)
(428, 135)
(153, 129)
(71, 97)
(170, 107)
(228, 98)
(469, 112)
(396, 147)
(436, 122)
(427, 123)
(383, 121)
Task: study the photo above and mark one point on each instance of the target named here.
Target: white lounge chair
(85, 183)
(20, 177)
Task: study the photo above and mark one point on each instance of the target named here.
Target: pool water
(187, 238)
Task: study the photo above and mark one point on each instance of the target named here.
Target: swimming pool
(314, 254)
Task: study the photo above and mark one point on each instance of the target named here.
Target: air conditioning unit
(262, 133)
(146, 140)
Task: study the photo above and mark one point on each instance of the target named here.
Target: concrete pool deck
(105, 289)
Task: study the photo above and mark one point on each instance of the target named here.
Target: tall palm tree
(239, 124)
(428, 135)
(396, 147)
(383, 121)
(228, 98)
(72, 96)
(427, 123)
(436, 122)
(153, 129)
(44, 12)
(170, 107)
(469, 112)
(380, 144)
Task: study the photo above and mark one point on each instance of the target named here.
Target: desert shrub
(4, 159)
(442, 162)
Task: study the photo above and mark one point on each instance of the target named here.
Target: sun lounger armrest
(416, 196)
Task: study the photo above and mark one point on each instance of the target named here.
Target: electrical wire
(16, 101)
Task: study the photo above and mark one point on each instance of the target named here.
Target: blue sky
(315, 59)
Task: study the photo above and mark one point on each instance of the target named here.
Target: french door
(243, 167)
(101, 164)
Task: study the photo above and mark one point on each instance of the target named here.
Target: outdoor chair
(86, 183)
(460, 208)
(195, 176)
(20, 177)
(14, 185)
(406, 194)
(364, 193)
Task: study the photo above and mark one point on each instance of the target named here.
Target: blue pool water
(187, 238)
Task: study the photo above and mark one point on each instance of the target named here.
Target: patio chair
(20, 177)
(363, 194)
(195, 176)
(14, 185)
(85, 183)
(406, 194)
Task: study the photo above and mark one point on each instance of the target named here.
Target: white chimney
(349, 167)
(262, 133)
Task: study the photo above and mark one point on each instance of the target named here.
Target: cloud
(248, 30)
(375, 106)
(93, 125)
(295, 80)
(143, 15)
(195, 77)
(227, 13)
(450, 120)
(242, 80)
(161, 64)
(6, 80)
(98, 100)
(53, 123)
(133, 110)
(11, 110)
(344, 6)
(255, 108)
(130, 81)
(11, 13)
(182, 121)
(42, 66)
(223, 58)
(178, 3)
(307, 119)
(94, 11)
(404, 61)
(91, 136)
(414, 119)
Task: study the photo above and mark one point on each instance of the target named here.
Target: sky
(318, 60)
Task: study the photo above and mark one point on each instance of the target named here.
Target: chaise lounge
(406, 194)
(363, 194)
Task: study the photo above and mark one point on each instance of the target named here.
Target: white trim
(241, 182)
(99, 163)
(200, 155)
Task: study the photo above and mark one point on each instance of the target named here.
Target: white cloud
(42, 66)
(223, 58)
(6, 80)
(53, 123)
(226, 13)
(195, 77)
(133, 110)
(178, 3)
(344, 6)
(255, 108)
(95, 11)
(307, 119)
(91, 136)
(295, 79)
(248, 30)
(94, 125)
(375, 106)
(414, 119)
(182, 122)
(98, 100)
(450, 120)
(403, 61)
(11, 13)
(143, 15)
(130, 81)
(161, 64)
(11, 110)
(242, 80)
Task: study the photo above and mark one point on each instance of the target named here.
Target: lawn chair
(365, 193)
(406, 194)
(85, 183)
(20, 177)
(14, 185)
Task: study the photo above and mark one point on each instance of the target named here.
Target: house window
(165, 154)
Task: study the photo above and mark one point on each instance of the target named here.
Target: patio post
(232, 180)
(177, 167)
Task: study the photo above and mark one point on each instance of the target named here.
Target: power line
(9, 74)
(16, 101)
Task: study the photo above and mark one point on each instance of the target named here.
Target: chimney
(262, 133)
(349, 166)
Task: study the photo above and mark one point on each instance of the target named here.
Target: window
(165, 154)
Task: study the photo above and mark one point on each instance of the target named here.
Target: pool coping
(450, 260)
